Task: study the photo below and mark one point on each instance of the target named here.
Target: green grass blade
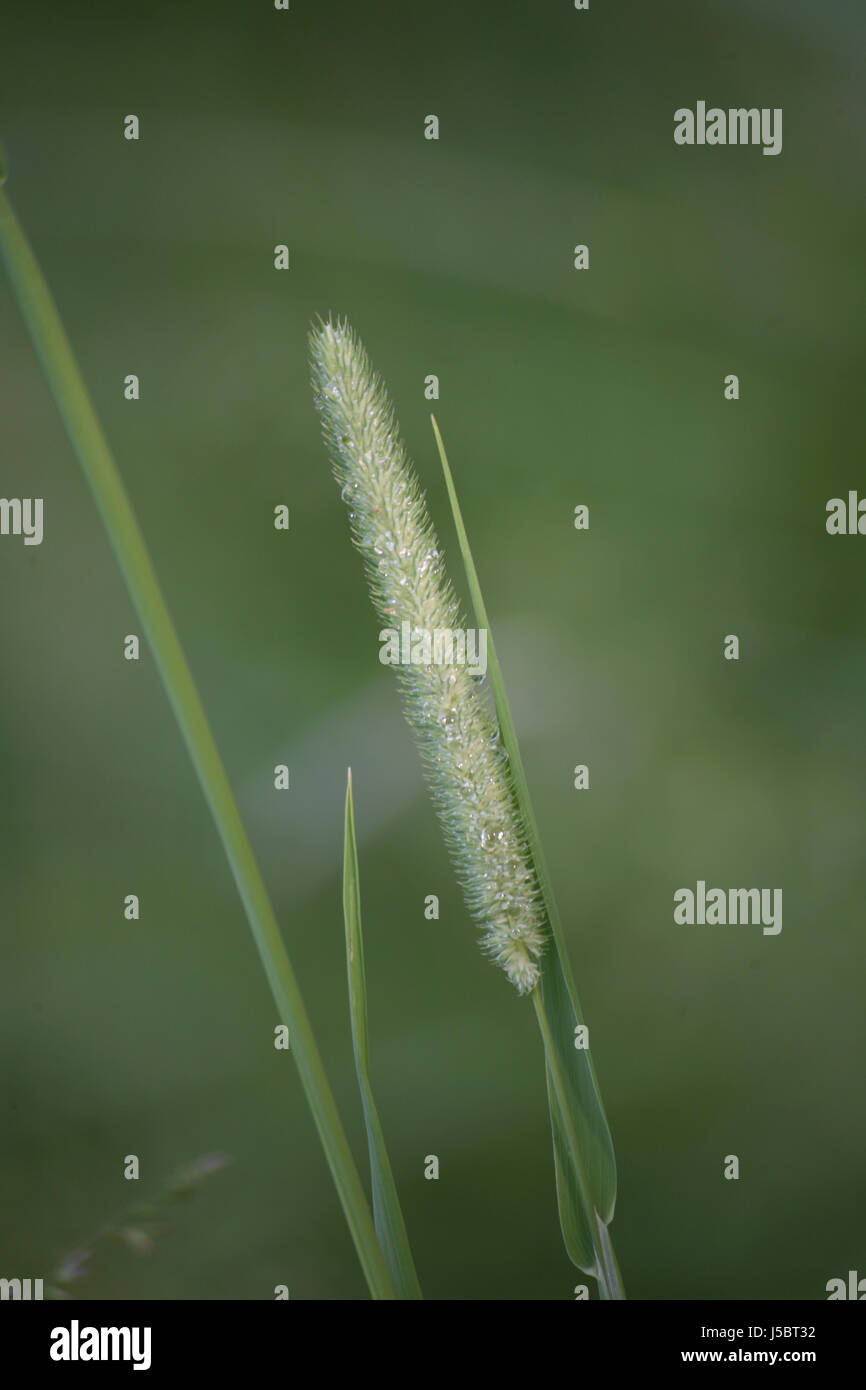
(91, 447)
(390, 1226)
(576, 1110)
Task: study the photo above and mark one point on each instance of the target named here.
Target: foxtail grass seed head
(446, 705)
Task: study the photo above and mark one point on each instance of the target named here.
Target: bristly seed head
(466, 767)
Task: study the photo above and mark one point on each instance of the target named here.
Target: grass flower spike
(472, 759)
(446, 705)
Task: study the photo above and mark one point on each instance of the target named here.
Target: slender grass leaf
(585, 1121)
(387, 1215)
(71, 397)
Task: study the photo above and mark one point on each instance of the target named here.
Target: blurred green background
(557, 387)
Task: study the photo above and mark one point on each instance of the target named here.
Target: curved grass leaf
(387, 1216)
(576, 1111)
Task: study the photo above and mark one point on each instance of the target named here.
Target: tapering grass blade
(71, 397)
(578, 1086)
(387, 1215)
